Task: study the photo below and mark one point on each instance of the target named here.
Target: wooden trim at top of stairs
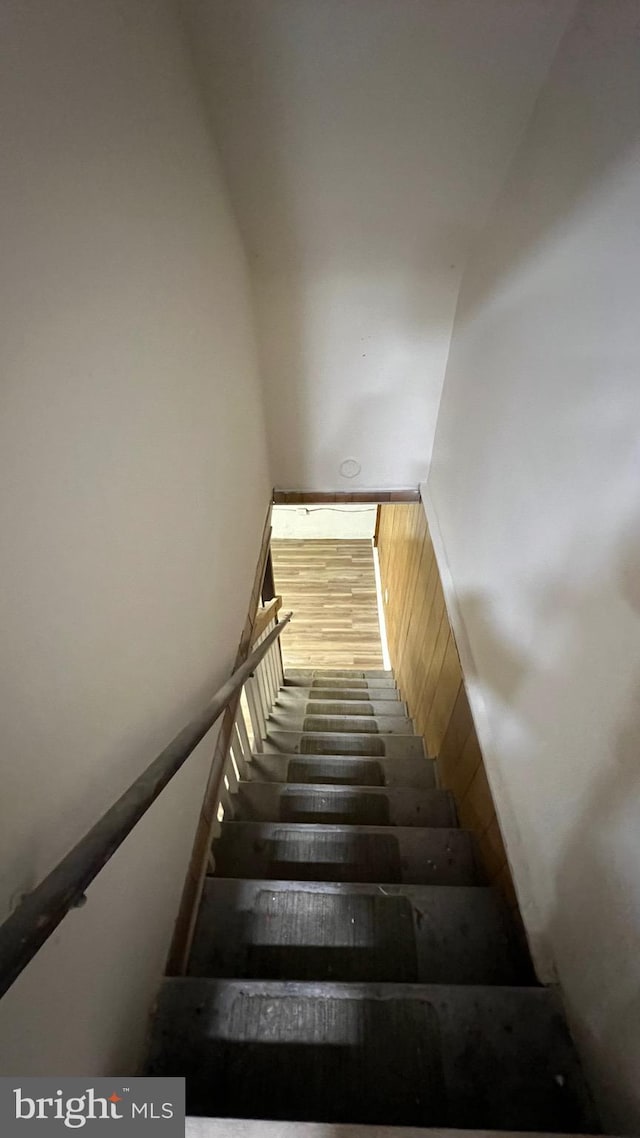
(264, 617)
(344, 497)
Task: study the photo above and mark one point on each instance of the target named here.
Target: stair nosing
(351, 734)
(373, 989)
(335, 827)
(298, 688)
(325, 787)
(352, 738)
(257, 755)
(343, 758)
(301, 885)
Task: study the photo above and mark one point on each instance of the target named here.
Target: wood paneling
(427, 668)
(330, 587)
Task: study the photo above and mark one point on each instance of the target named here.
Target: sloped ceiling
(363, 142)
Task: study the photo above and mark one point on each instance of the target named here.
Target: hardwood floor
(330, 587)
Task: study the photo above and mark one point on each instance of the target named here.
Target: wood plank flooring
(330, 587)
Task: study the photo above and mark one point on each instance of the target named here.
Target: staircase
(349, 964)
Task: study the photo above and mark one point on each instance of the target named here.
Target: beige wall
(364, 141)
(535, 490)
(133, 491)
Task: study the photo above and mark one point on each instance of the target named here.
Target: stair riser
(346, 743)
(430, 1055)
(404, 934)
(273, 802)
(289, 852)
(410, 773)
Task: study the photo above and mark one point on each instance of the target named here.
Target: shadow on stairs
(349, 964)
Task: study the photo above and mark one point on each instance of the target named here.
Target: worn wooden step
(340, 682)
(343, 743)
(291, 851)
(335, 770)
(291, 694)
(395, 1054)
(285, 930)
(304, 700)
(339, 674)
(360, 806)
(293, 719)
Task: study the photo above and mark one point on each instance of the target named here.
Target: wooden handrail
(40, 912)
(264, 616)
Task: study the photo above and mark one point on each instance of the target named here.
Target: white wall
(341, 522)
(535, 484)
(364, 141)
(133, 491)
